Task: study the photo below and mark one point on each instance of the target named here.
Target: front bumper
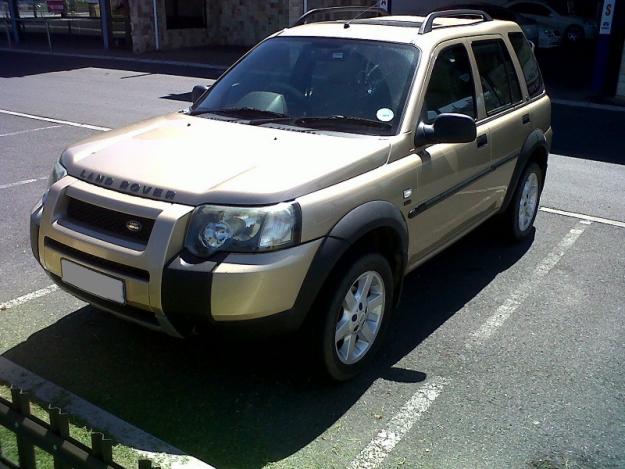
(163, 290)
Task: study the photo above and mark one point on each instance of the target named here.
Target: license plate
(93, 282)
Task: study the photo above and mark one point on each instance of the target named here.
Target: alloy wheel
(359, 318)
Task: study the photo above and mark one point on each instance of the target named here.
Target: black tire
(574, 35)
(511, 216)
(331, 307)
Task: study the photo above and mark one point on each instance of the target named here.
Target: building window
(184, 14)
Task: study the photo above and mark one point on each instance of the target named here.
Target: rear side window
(500, 84)
(451, 87)
(528, 63)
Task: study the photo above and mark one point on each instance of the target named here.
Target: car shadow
(184, 97)
(236, 404)
(22, 65)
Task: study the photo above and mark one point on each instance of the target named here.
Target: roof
(402, 29)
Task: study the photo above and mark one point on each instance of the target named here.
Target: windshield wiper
(241, 112)
(324, 121)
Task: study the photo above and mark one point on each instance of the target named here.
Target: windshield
(330, 83)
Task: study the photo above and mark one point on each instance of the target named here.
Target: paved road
(501, 355)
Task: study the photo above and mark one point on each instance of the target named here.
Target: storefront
(63, 23)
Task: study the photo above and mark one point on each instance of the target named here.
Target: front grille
(109, 222)
(95, 261)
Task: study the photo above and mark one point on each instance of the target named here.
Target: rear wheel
(356, 314)
(523, 207)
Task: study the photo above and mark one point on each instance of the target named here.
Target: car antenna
(347, 23)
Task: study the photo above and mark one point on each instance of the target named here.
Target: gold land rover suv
(299, 190)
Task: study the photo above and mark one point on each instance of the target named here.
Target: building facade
(172, 24)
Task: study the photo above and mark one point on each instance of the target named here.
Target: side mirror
(198, 91)
(446, 128)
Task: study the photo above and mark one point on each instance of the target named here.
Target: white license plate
(93, 282)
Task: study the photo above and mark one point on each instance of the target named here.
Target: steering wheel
(292, 95)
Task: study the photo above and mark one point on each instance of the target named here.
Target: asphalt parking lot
(500, 356)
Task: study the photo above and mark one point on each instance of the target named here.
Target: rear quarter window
(529, 64)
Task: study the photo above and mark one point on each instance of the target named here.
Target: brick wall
(229, 22)
(245, 22)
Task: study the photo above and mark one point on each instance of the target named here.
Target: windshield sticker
(385, 114)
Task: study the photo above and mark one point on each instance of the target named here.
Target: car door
(506, 112)
(446, 204)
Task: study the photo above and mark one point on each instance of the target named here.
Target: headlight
(58, 172)
(242, 229)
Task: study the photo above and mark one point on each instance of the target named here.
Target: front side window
(451, 87)
(340, 84)
(500, 84)
(528, 64)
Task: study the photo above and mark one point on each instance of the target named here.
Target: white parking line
(56, 121)
(30, 296)
(127, 434)
(581, 216)
(20, 183)
(19, 132)
(401, 423)
(504, 311)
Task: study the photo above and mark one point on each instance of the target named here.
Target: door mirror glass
(198, 91)
(446, 128)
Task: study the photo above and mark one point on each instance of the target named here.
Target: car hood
(193, 160)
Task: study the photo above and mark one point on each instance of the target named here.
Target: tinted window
(499, 81)
(318, 77)
(451, 86)
(528, 63)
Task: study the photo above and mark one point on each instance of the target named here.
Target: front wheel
(357, 313)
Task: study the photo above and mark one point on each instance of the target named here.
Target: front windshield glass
(327, 83)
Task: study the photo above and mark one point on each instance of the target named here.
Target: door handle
(526, 118)
(482, 140)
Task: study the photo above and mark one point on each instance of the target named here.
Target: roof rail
(355, 9)
(428, 23)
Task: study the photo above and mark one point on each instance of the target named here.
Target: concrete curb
(145, 444)
(117, 58)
